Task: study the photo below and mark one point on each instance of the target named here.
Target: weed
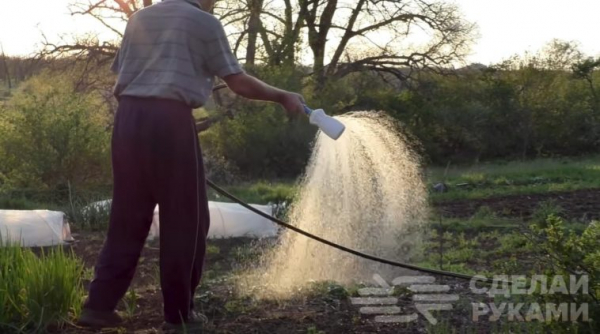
(484, 212)
(130, 301)
(88, 274)
(313, 330)
(212, 249)
(546, 209)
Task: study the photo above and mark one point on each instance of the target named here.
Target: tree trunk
(253, 29)
(6, 71)
(319, 65)
(317, 39)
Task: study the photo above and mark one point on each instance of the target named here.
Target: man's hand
(252, 88)
(292, 102)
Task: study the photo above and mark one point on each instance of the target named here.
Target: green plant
(53, 134)
(314, 330)
(545, 210)
(569, 257)
(212, 249)
(88, 214)
(18, 203)
(130, 301)
(38, 292)
(88, 274)
(484, 212)
(328, 290)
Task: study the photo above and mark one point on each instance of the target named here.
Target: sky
(505, 27)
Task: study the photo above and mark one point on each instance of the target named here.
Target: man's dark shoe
(195, 324)
(99, 319)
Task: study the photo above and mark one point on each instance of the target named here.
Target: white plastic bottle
(329, 125)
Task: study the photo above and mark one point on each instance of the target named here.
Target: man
(170, 53)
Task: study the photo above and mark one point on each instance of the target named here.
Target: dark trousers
(156, 159)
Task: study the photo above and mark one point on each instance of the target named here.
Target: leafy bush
(567, 253)
(53, 135)
(37, 293)
(262, 142)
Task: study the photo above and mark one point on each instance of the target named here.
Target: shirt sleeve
(116, 64)
(220, 60)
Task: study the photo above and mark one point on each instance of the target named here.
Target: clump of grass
(516, 178)
(38, 292)
(261, 192)
(130, 301)
(313, 330)
(16, 203)
(484, 212)
(212, 249)
(327, 290)
(545, 210)
(88, 214)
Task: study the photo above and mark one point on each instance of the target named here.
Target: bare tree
(6, 71)
(352, 35)
(585, 70)
(392, 37)
(112, 14)
(386, 29)
(561, 55)
(270, 31)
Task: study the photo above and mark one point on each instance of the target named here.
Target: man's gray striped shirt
(173, 50)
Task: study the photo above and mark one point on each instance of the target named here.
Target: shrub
(262, 141)
(566, 253)
(52, 135)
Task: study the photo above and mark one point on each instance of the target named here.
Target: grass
(261, 192)
(38, 292)
(479, 181)
(516, 178)
(465, 182)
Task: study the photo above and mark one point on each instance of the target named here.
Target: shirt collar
(191, 2)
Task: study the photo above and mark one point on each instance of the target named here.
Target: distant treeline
(56, 125)
(14, 70)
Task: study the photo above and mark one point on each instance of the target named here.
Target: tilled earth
(315, 313)
(577, 205)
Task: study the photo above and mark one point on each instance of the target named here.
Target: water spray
(333, 128)
(329, 125)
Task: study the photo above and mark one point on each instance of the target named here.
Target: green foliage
(568, 254)
(130, 302)
(328, 290)
(518, 177)
(16, 203)
(87, 213)
(53, 135)
(484, 212)
(38, 292)
(520, 108)
(544, 210)
(314, 330)
(263, 192)
(262, 142)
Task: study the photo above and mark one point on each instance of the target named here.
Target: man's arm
(252, 88)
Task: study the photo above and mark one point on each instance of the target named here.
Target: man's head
(206, 5)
